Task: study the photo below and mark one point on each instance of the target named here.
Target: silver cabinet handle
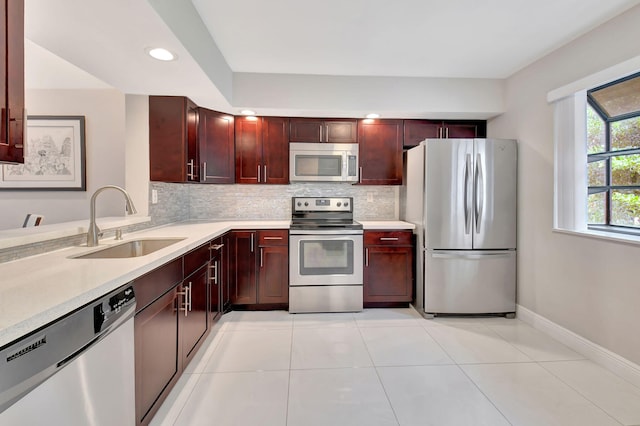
(258, 173)
(389, 238)
(252, 242)
(446, 132)
(326, 133)
(440, 133)
(204, 171)
(272, 238)
(265, 173)
(214, 274)
(216, 247)
(360, 177)
(187, 299)
(261, 257)
(366, 257)
(190, 166)
(321, 128)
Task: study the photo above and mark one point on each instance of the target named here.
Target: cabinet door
(216, 278)
(415, 131)
(173, 125)
(248, 150)
(380, 152)
(340, 131)
(12, 81)
(306, 130)
(388, 274)
(464, 129)
(273, 274)
(225, 272)
(216, 144)
(275, 150)
(192, 311)
(244, 285)
(156, 353)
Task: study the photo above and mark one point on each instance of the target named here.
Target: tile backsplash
(243, 202)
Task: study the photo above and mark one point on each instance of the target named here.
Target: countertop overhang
(39, 289)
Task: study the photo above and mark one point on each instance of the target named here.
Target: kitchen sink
(133, 248)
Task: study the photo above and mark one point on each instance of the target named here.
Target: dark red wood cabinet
(262, 150)
(323, 130)
(219, 277)
(273, 266)
(12, 102)
(380, 152)
(388, 267)
(415, 131)
(188, 143)
(216, 147)
(173, 139)
(260, 265)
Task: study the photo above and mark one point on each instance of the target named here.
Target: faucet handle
(118, 234)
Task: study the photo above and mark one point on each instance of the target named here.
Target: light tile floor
(392, 367)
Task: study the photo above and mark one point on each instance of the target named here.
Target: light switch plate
(154, 196)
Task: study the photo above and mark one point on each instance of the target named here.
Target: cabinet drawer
(196, 258)
(154, 284)
(273, 237)
(384, 238)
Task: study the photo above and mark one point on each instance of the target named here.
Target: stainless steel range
(325, 264)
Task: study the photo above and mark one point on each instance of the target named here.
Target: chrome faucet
(93, 234)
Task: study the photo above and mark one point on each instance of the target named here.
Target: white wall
(589, 286)
(137, 151)
(104, 112)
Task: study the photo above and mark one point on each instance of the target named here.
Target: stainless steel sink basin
(133, 248)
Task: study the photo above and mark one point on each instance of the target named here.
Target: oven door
(326, 258)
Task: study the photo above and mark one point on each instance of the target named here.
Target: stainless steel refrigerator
(461, 195)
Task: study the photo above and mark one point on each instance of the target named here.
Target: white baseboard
(622, 367)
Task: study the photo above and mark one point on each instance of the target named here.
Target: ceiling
(216, 38)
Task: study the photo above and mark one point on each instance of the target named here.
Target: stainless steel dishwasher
(77, 370)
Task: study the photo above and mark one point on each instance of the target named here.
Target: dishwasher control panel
(110, 309)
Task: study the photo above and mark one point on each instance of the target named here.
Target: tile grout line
(286, 416)
(375, 368)
(540, 363)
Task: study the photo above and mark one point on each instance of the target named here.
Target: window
(613, 155)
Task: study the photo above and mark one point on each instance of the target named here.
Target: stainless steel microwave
(323, 162)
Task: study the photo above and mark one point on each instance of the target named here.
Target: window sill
(602, 235)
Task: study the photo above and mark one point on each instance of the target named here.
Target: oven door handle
(324, 232)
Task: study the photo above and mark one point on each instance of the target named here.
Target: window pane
(625, 208)
(597, 173)
(625, 170)
(597, 208)
(625, 134)
(619, 98)
(596, 139)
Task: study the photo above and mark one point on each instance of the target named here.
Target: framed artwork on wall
(54, 156)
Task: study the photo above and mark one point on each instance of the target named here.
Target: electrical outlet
(369, 197)
(154, 196)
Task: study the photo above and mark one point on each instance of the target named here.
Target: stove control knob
(339, 204)
(306, 204)
(346, 204)
(299, 203)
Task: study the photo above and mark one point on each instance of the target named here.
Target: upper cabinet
(173, 129)
(262, 150)
(323, 130)
(415, 131)
(188, 143)
(380, 146)
(12, 82)
(216, 147)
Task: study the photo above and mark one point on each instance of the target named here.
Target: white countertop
(39, 289)
(386, 224)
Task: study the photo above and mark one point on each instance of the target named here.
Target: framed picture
(54, 156)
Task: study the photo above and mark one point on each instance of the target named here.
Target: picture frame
(54, 156)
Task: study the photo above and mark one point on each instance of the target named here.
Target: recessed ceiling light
(161, 54)
(247, 112)
(373, 115)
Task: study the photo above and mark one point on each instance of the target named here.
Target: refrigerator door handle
(479, 190)
(467, 193)
(470, 256)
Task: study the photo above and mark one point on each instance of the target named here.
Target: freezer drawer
(470, 282)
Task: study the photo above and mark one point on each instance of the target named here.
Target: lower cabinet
(388, 267)
(171, 322)
(260, 265)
